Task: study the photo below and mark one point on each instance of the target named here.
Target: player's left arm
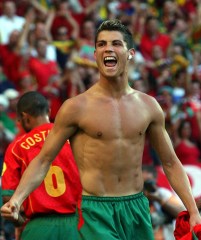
(172, 166)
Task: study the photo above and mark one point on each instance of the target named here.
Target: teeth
(109, 58)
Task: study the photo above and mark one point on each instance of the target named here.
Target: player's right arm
(11, 175)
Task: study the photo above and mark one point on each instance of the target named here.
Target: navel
(140, 133)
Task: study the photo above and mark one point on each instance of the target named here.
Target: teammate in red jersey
(51, 208)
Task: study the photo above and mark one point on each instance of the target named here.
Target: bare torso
(109, 143)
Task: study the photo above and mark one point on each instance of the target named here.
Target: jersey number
(55, 182)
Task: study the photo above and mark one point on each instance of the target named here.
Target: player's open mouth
(110, 61)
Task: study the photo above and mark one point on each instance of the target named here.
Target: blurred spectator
(169, 15)
(43, 13)
(39, 31)
(12, 95)
(149, 155)
(135, 66)
(171, 110)
(152, 36)
(10, 58)
(47, 4)
(180, 85)
(42, 68)
(158, 68)
(164, 205)
(185, 148)
(64, 46)
(195, 68)
(33, 30)
(31, 33)
(194, 95)
(179, 59)
(85, 54)
(7, 122)
(26, 82)
(72, 83)
(7, 128)
(122, 10)
(140, 85)
(63, 18)
(181, 34)
(47, 75)
(147, 158)
(6, 137)
(4, 82)
(9, 21)
(141, 80)
(142, 11)
(192, 108)
(81, 9)
(189, 8)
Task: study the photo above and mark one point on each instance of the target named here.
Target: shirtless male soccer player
(107, 125)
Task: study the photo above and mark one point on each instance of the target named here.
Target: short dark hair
(149, 18)
(181, 127)
(33, 103)
(116, 25)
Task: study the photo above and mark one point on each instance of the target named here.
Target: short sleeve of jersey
(11, 173)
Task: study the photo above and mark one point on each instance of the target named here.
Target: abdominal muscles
(109, 167)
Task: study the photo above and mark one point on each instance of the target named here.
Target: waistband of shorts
(52, 215)
(113, 199)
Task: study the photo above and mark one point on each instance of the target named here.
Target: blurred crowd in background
(48, 46)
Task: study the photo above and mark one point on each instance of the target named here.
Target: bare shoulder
(149, 101)
(73, 108)
(75, 103)
(151, 106)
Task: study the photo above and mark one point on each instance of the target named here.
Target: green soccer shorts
(116, 218)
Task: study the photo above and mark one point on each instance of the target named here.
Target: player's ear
(25, 117)
(131, 53)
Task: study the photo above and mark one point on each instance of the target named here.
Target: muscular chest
(115, 119)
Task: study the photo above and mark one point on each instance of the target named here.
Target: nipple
(99, 134)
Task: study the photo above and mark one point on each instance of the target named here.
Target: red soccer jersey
(61, 188)
(42, 71)
(146, 44)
